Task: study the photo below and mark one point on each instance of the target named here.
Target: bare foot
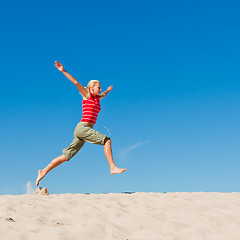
(117, 170)
(40, 176)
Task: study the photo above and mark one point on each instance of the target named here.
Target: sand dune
(145, 216)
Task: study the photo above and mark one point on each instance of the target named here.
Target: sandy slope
(146, 216)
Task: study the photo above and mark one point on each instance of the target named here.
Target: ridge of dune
(135, 216)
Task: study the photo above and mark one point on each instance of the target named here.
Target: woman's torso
(90, 110)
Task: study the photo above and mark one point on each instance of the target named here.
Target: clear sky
(173, 113)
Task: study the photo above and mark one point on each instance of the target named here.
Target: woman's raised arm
(80, 87)
(104, 94)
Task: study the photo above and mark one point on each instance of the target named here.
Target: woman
(84, 131)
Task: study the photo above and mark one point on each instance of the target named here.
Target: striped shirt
(90, 109)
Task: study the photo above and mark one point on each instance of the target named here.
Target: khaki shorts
(83, 133)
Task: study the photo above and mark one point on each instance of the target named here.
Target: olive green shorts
(83, 133)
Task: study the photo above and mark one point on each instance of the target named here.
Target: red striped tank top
(90, 109)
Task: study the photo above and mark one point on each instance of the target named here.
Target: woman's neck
(93, 94)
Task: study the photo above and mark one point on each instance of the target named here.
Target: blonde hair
(91, 83)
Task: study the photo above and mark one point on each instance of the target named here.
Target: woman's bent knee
(64, 159)
(107, 140)
(60, 159)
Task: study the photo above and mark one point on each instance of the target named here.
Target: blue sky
(173, 114)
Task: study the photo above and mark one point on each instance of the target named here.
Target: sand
(145, 216)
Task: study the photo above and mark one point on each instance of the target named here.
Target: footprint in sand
(42, 191)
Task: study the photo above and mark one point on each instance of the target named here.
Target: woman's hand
(104, 94)
(110, 88)
(81, 89)
(59, 66)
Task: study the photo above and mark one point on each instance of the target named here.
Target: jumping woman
(84, 131)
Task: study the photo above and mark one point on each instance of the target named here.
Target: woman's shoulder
(88, 95)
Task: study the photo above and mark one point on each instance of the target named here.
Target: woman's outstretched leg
(54, 163)
(108, 153)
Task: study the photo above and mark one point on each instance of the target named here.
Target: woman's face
(96, 90)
